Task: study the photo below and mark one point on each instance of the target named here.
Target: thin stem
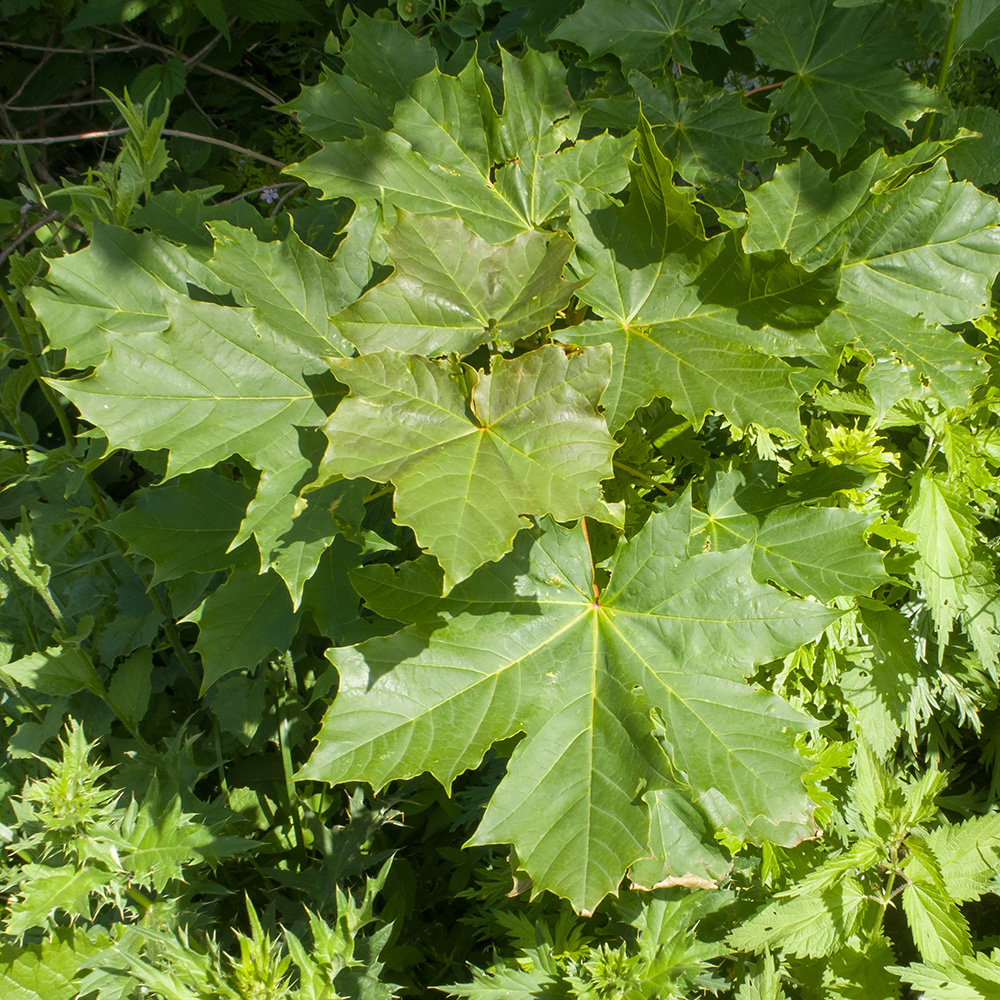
(36, 369)
(642, 475)
(111, 133)
(378, 493)
(51, 216)
(249, 84)
(58, 107)
(72, 52)
(949, 51)
(288, 194)
(290, 796)
(760, 90)
(590, 553)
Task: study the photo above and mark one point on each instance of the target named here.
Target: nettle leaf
(939, 928)
(813, 924)
(945, 527)
(967, 854)
(381, 60)
(958, 977)
(470, 454)
(450, 151)
(452, 291)
(682, 314)
(248, 617)
(645, 34)
(185, 525)
(603, 684)
(842, 68)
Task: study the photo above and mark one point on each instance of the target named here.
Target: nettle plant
(641, 428)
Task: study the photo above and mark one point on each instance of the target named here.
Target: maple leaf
(482, 452)
(591, 681)
(450, 151)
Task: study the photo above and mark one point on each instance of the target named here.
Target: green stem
(290, 797)
(36, 368)
(949, 51)
(642, 475)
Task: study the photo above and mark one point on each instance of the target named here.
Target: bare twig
(28, 76)
(50, 216)
(208, 68)
(49, 140)
(55, 50)
(58, 107)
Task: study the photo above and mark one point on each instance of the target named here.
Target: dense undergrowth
(499, 498)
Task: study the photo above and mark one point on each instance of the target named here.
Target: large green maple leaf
(468, 453)
(685, 315)
(915, 250)
(200, 379)
(381, 60)
(841, 66)
(450, 151)
(452, 291)
(645, 34)
(618, 691)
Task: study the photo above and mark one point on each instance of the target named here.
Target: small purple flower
(269, 194)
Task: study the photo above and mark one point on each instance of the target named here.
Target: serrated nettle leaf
(945, 527)
(185, 525)
(471, 454)
(247, 618)
(960, 977)
(812, 925)
(939, 928)
(451, 291)
(842, 68)
(450, 151)
(583, 676)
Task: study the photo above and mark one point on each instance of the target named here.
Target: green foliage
(499, 498)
